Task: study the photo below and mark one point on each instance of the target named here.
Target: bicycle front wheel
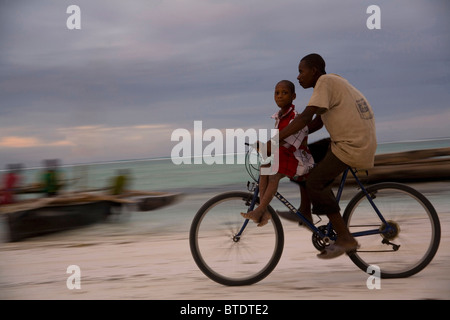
(225, 257)
(408, 239)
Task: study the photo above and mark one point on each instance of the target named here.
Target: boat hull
(149, 203)
(50, 219)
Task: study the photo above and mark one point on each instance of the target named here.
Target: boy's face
(306, 75)
(283, 95)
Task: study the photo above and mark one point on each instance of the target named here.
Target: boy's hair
(290, 84)
(315, 60)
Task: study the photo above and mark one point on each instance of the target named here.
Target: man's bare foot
(336, 249)
(347, 245)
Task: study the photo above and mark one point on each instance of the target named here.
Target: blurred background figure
(119, 185)
(121, 182)
(51, 178)
(10, 182)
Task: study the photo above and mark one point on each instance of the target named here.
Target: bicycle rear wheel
(409, 239)
(231, 260)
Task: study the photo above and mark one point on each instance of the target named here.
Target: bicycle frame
(329, 227)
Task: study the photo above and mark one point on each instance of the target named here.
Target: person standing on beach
(294, 158)
(349, 119)
(11, 181)
(51, 180)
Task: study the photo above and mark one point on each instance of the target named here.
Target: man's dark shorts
(322, 176)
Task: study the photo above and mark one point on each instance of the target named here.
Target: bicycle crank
(319, 242)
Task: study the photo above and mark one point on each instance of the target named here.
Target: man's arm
(299, 122)
(315, 125)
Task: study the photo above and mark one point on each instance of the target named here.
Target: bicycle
(396, 226)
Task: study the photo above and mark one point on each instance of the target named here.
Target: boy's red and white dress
(293, 157)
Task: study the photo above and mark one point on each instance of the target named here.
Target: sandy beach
(159, 266)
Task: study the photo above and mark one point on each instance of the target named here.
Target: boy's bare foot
(257, 217)
(264, 219)
(252, 215)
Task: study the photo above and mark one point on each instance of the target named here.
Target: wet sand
(159, 266)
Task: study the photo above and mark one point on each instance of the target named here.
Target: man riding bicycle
(349, 119)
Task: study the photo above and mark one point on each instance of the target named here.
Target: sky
(137, 70)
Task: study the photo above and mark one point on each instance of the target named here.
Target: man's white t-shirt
(348, 117)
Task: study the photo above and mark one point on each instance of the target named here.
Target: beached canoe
(36, 217)
(409, 166)
(48, 219)
(148, 201)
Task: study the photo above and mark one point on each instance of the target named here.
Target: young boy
(295, 159)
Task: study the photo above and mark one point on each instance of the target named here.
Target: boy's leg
(260, 215)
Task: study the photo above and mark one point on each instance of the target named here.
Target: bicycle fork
(255, 189)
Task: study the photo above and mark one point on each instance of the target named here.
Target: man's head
(311, 67)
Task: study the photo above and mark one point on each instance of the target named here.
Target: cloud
(88, 143)
(19, 142)
(30, 142)
(120, 142)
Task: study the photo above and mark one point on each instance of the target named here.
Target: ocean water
(413, 145)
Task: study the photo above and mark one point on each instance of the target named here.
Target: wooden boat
(147, 201)
(409, 166)
(36, 217)
(49, 219)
